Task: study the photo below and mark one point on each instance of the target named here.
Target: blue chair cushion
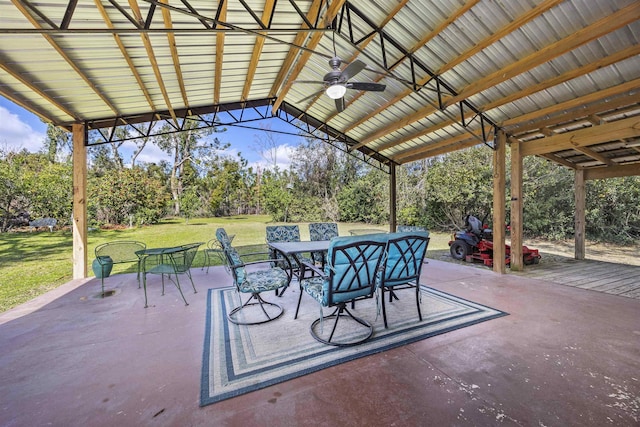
(314, 286)
(283, 233)
(323, 230)
(264, 280)
(223, 238)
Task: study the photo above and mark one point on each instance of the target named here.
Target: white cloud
(16, 134)
(150, 154)
(282, 157)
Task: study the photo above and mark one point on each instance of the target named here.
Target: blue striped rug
(239, 359)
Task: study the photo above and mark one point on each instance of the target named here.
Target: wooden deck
(608, 277)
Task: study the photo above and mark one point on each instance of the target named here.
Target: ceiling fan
(337, 82)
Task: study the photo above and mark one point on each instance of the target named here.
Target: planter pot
(102, 268)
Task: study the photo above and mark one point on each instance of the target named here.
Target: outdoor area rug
(239, 359)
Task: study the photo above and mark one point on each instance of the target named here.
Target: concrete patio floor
(564, 356)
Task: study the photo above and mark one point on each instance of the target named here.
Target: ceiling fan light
(336, 91)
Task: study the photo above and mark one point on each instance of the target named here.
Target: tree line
(322, 183)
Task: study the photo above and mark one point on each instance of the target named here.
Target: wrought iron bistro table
(295, 249)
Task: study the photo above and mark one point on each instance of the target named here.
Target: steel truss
(464, 115)
(214, 23)
(131, 128)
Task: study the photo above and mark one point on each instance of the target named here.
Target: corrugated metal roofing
(533, 68)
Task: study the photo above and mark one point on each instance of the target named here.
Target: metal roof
(455, 71)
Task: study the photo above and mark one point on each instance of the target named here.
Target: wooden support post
(392, 198)
(517, 261)
(499, 155)
(79, 226)
(580, 196)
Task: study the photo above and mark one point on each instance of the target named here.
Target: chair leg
(204, 262)
(392, 295)
(299, 301)
(341, 311)
(384, 309)
(144, 283)
(418, 301)
(191, 279)
(177, 283)
(258, 301)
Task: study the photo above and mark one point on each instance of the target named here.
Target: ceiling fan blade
(374, 87)
(340, 105)
(352, 69)
(310, 96)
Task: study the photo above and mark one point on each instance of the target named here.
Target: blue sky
(20, 129)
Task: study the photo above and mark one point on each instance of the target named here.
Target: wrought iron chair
(254, 282)
(214, 248)
(349, 275)
(176, 261)
(405, 254)
(322, 231)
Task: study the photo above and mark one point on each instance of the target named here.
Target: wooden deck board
(599, 276)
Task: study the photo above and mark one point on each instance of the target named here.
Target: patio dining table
(294, 249)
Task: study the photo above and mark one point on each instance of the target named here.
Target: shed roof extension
(561, 76)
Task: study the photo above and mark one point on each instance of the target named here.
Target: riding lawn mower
(475, 244)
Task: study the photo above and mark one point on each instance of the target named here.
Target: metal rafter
(313, 126)
(231, 114)
(487, 41)
(416, 85)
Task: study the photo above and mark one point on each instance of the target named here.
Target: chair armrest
(304, 265)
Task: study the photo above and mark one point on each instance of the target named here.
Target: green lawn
(34, 263)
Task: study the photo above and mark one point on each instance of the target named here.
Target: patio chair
(349, 275)
(322, 231)
(254, 282)
(405, 254)
(170, 261)
(214, 248)
(285, 233)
